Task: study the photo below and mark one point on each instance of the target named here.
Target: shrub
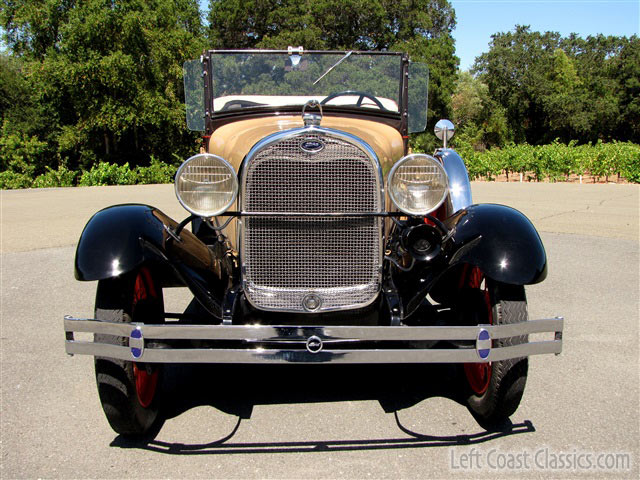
(10, 179)
(630, 162)
(556, 161)
(19, 154)
(112, 174)
(108, 174)
(157, 172)
(62, 177)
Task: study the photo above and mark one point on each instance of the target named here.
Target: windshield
(250, 80)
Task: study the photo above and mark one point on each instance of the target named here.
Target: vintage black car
(315, 237)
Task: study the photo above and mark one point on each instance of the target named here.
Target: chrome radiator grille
(333, 260)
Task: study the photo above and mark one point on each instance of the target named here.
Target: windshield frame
(214, 119)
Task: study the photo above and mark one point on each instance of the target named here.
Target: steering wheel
(239, 103)
(361, 96)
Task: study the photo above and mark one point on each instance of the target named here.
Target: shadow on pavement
(418, 441)
(236, 389)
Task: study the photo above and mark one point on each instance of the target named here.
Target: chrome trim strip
(526, 328)
(350, 306)
(525, 349)
(99, 350)
(324, 310)
(269, 333)
(329, 336)
(103, 327)
(320, 215)
(263, 356)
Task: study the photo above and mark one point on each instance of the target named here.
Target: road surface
(323, 421)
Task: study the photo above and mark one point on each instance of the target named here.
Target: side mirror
(444, 130)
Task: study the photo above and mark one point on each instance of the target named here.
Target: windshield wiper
(333, 66)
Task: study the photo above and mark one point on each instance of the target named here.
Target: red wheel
(128, 391)
(494, 390)
(145, 297)
(479, 374)
(146, 384)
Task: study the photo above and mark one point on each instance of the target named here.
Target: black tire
(118, 300)
(508, 378)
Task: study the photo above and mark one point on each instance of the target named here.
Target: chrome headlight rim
(397, 203)
(201, 213)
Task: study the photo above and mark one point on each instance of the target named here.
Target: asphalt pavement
(580, 409)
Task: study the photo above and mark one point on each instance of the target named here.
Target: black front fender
(119, 239)
(501, 241)
(110, 243)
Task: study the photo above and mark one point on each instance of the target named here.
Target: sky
(477, 20)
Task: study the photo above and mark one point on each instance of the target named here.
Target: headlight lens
(206, 185)
(418, 184)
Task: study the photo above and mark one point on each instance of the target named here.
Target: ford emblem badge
(311, 146)
(314, 344)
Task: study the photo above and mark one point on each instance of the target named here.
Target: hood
(234, 140)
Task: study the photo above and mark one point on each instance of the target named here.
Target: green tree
(16, 103)
(566, 88)
(326, 24)
(32, 28)
(21, 151)
(597, 62)
(628, 76)
(564, 101)
(469, 99)
(107, 75)
(480, 121)
(514, 69)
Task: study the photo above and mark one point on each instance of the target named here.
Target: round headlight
(418, 184)
(206, 185)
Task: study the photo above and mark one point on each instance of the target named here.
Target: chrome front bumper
(295, 344)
